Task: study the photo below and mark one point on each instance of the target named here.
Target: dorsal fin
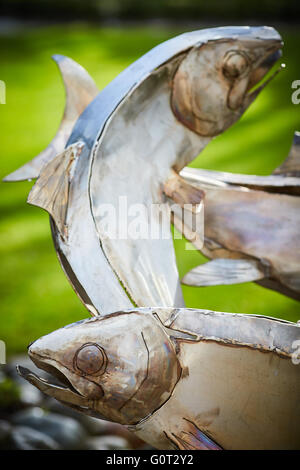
(80, 91)
(291, 165)
(51, 191)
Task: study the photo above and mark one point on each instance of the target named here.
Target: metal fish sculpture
(148, 123)
(132, 140)
(251, 227)
(179, 378)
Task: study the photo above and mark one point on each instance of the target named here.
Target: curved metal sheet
(89, 128)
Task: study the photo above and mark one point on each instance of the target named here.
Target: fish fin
(80, 91)
(183, 193)
(291, 165)
(191, 438)
(179, 335)
(209, 179)
(51, 190)
(224, 271)
(186, 205)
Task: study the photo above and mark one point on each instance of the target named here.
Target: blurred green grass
(35, 295)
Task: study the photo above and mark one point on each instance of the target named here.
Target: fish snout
(274, 53)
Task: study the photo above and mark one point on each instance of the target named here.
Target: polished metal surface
(135, 133)
(251, 222)
(179, 378)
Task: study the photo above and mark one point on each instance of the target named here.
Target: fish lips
(256, 82)
(272, 57)
(264, 65)
(63, 393)
(57, 385)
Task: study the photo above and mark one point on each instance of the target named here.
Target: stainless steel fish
(251, 227)
(180, 378)
(152, 120)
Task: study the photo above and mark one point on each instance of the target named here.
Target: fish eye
(235, 64)
(90, 359)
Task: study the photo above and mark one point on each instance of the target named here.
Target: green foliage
(35, 295)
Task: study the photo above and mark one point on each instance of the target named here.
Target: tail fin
(80, 91)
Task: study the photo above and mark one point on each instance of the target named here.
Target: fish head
(119, 367)
(213, 84)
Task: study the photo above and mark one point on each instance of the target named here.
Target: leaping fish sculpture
(146, 125)
(252, 227)
(179, 378)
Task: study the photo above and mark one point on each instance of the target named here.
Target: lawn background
(35, 295)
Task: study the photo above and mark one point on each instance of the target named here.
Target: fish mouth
(263, 67)
(59, 378)
(57, 386)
